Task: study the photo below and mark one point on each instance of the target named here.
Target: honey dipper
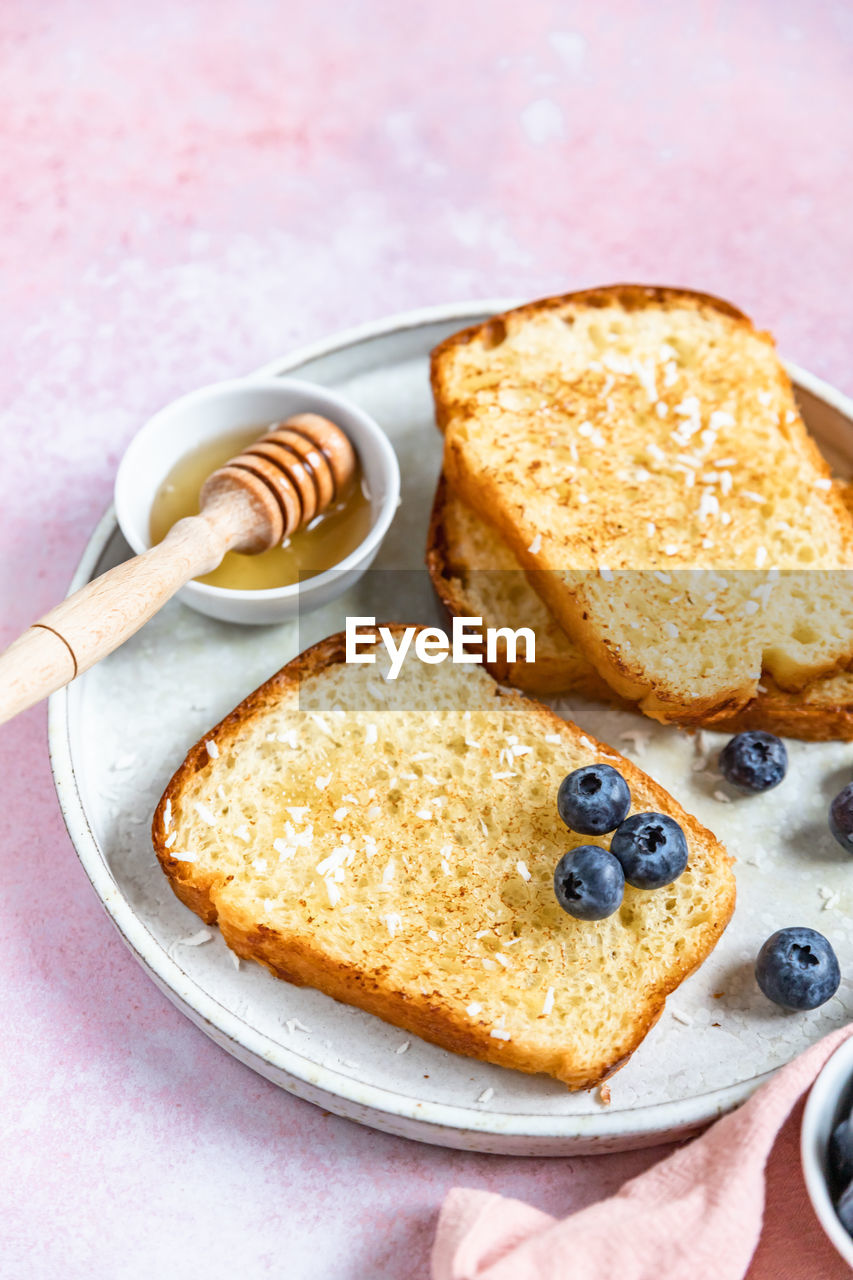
(274, 487)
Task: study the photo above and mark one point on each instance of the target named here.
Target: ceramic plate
(118, 733)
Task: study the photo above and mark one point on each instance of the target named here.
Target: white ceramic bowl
(225, 407)
(829, 1101)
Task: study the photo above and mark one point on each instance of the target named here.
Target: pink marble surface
(188, 190)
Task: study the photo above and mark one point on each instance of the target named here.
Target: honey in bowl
(323, 543)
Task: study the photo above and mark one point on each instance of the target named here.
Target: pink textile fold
(696, 1214)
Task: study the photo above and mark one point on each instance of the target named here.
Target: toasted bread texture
(402, 859)
(475, 574)
(641, 453)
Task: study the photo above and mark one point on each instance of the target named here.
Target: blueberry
(593, 800)
(841, 1153)
(841, 817)
(844, 1209)
(589, 883)
(754, 761)
(651, 848)
(797, 969)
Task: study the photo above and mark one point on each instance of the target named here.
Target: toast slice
(401, 860)
(474, 573)
(621, 440)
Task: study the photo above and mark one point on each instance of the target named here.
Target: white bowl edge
(822, 1112)
(144, 465)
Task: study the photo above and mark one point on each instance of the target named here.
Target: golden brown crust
(631, 297)
(547, 675)
(298, 958)
(295, 960)
(793, 715)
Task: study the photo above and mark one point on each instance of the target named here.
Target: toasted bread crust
(631, 297)
(548, 674)
(816, 714)
(298, 958)
(447, 574)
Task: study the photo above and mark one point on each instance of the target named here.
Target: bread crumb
(604, 1094)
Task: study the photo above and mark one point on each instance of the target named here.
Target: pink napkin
(697, 1213)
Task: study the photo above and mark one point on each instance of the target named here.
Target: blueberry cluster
(841, 1171)
(796, 968)
(647, 850)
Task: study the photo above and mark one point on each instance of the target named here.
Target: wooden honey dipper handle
(248, 505)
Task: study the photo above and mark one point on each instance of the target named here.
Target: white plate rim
(463, 1126)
